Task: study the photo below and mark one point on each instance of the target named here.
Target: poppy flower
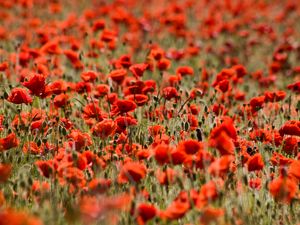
(125, 121)
(222, 137)
(118, 75)
(138, 69)
(294, 87)
(163, 64)
(132, 172)
(185, 70)
(46, 168)
(283, 189)
(221, 166)
(10, 141)
(36, 84)
(176, 210)
(170, 92)
(255, 183)
(190, 146)
(5, 171)
(60, 100)
(57, 87)
(88, 76)
(139, 99)
(101, 90)
(290, 145)
(145, 212)
(104, 129)
(255, 162)
(74, 58)
(256, 103)
(291, 127)
(294, 169)
(162, 153)
(125, 106)
(79, 140)
(19, 96)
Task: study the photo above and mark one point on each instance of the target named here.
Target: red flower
(221, 166)
(10, 141)
(257, 103)
(162, 153)
(61, 100)
(190, 146)
(89, 76)
(104, 128)
(19, 96)
(294, 169)
(294, 87)
(139, 99)
(145, 212)
(255, 162)
(291, 127)
(132, 172)
(118, 75)
(45, 167)
(283, 189)
(36, 84)
(124, 106)
(138, 69)
(185, 70)
(170, 92)
(79, 140)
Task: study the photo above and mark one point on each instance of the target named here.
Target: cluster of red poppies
(131, 111)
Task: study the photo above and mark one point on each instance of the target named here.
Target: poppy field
(149, 112)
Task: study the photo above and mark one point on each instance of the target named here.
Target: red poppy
(291, 127)
(176, 210)
(221, 166)
(294, 169)
(294, 87)
(74, 58)
(138, 69)
(255, 162)
(170, 92)
(190, 146)
(125, 106)
(10, 141)
(36, 84)
(163, 64)
(145, 212)
(257, 103)
(61, 100)
(46, 168)
(185, 70)
(104, 128)
(132, 172)
(139, 99)
(118, 75)
(162, 153)
(19, 96)
(79, 140)
(101, 90)
(283, 189)
(88, 76)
